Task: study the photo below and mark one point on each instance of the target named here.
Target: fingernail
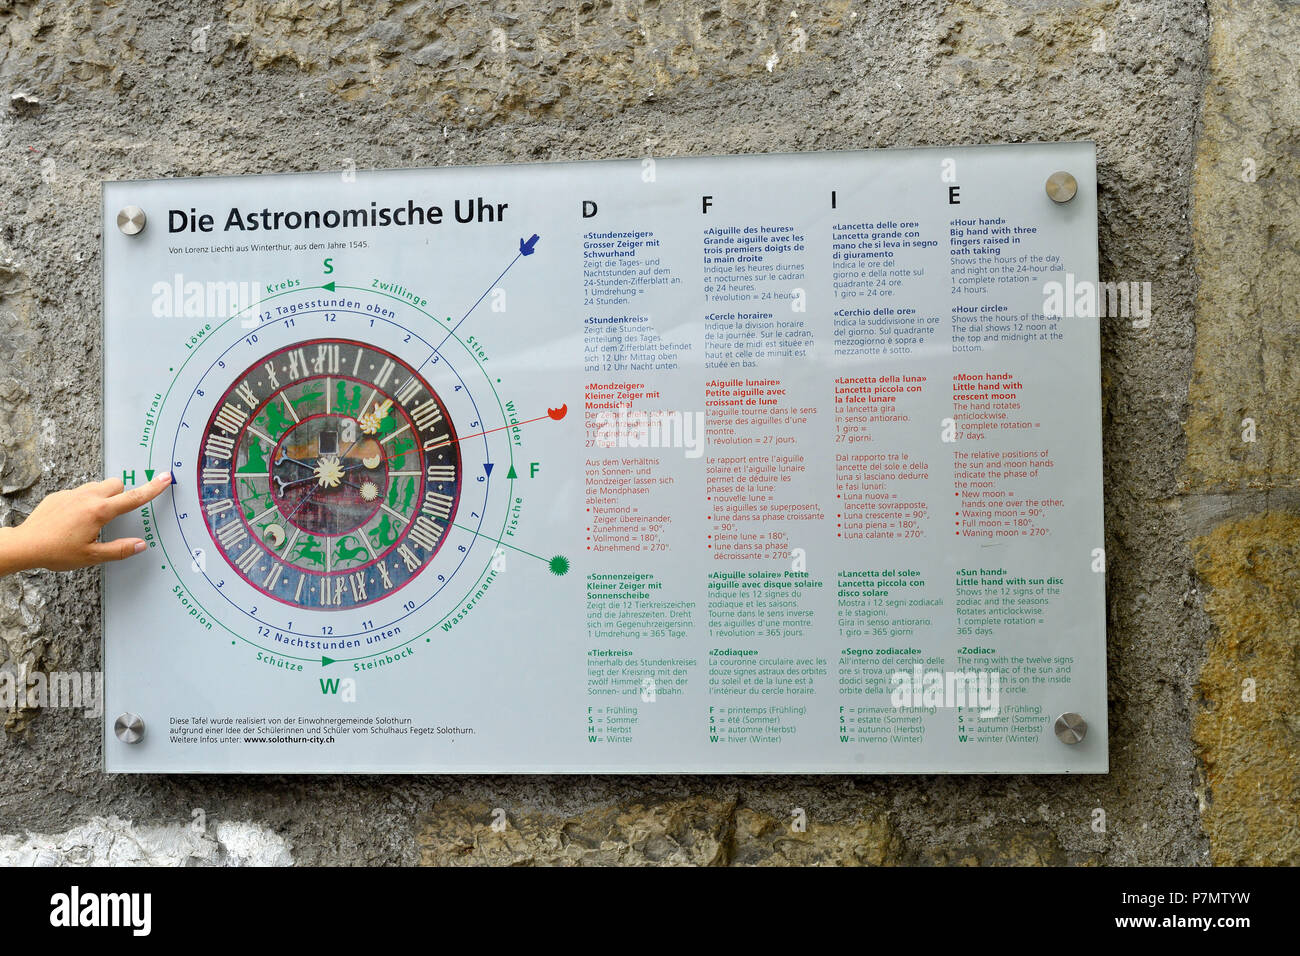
(165, 476)
(139, 546)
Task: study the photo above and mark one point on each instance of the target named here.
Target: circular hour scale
(334, 475)
(329, 473)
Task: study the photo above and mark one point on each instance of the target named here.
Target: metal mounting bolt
(129, 728)
(131, 220)
(1061, 187)
(1070, 728)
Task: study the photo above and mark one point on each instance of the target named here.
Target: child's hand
(63, 532)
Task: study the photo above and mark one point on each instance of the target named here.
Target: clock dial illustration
(329, 472)
(345, 479)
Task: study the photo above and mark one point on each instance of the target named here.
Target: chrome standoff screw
(129, 728)
(1070, 728)
(1061, 187)
(131, 220)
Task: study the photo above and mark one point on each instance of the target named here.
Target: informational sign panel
(778, 463)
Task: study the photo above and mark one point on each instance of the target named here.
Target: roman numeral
(358, 582)
(298, 364)
(426, 532)
(441, 473)
(408, 391)
(384, 579)
(219, 507)
(216, 476)
(247, 395)
(331, 592)
(436, 503)
(426, 414)
(385, 372)
(436, 442)
(270, 375)
(231, 534)
(408, 558)
(249, 559)
(219, 446)
(231, 418)
(327, 359)
(274, 577)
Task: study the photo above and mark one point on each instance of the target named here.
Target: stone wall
(1194, 111)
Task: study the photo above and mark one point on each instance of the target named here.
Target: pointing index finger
(136, 497)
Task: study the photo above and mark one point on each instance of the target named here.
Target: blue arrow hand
(487, 466)
(526, 246)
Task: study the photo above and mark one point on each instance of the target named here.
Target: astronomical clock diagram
(334, 487)
(357, 438)
(755, 464)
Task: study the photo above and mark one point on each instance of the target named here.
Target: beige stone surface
(1246, 227)
(1248, 725)
(694, 831)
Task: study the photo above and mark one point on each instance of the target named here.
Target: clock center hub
(328, 477)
